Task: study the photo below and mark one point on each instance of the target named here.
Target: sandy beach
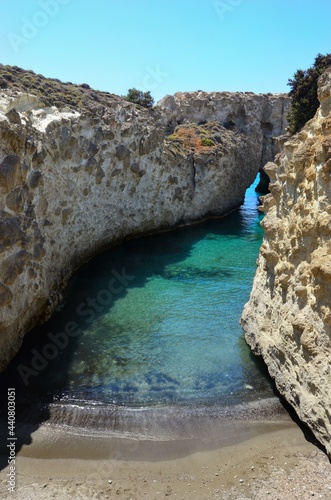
(268, 457)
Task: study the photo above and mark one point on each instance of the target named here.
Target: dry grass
(197, 138)
(52, 91)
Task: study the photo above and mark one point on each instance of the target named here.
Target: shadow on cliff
(40, 371)
(267, 382)
(309, 436)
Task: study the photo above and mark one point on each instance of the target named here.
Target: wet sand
(264, 457)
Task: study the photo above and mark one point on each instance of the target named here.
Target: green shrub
(139, 97)
(303, 93)
(207, 142)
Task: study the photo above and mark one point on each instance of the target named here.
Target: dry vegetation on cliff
(199, 138)
(51, 91)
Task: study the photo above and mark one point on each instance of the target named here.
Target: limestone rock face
(75, 180)
(288, 317)
(260, 117)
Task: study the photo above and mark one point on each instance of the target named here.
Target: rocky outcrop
(288, 317)
(77, 178)
(260, 117)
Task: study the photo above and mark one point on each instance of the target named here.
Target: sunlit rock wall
(288, 317)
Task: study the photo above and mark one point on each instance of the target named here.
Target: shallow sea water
(158, 322)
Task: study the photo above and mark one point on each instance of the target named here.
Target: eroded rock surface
(76, 179)
(288, 317)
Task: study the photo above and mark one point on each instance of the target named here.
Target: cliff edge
(288, 317)
(81, 170)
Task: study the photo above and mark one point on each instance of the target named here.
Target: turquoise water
(156, 321)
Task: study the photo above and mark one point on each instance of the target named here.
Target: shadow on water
(48, 350)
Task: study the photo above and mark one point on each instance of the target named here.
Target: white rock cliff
(288, 317)
(76, 180)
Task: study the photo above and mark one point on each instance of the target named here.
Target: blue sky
(166, 46)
